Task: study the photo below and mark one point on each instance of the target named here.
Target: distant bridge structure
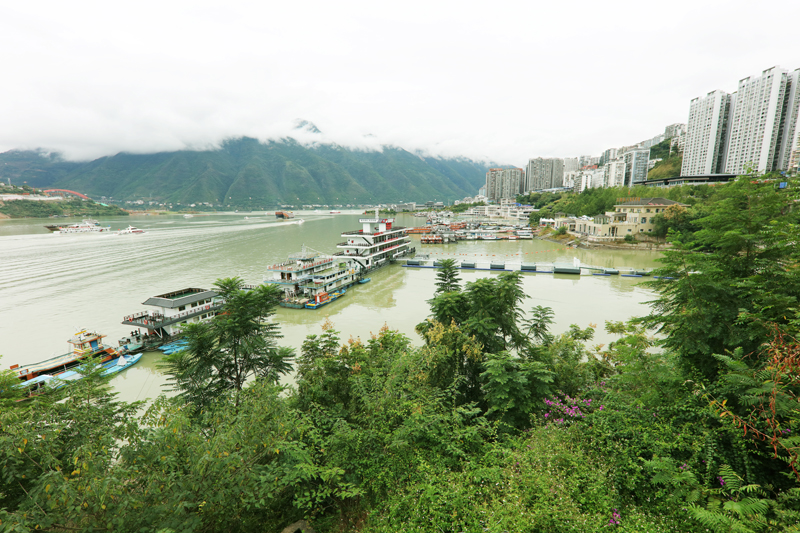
(66, 192)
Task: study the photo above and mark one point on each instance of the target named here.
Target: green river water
(52, 286)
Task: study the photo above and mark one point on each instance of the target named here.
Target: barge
(84, 345)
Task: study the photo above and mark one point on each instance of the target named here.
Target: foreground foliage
(495, 423)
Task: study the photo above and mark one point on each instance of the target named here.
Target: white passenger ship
(376, 244)
(87, 226)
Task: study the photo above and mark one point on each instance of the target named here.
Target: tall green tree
(447, 279)
(239, 344)
(744, 258)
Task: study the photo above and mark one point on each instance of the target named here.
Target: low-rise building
(631, 216)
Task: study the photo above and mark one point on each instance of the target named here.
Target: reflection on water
(53, 285)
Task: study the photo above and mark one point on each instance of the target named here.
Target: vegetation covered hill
(75, 207)
(670, 164)
(248, 173)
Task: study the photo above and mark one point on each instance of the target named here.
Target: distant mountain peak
(306, 125)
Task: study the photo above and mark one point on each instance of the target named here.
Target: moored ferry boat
(83, 345)
(376, 244)
(308, 273)
(172, 310)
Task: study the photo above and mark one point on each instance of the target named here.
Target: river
(52, 286)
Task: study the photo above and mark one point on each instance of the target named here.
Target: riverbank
(581, 241)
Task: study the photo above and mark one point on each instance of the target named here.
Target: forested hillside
(248, 173)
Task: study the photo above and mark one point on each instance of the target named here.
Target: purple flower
(721, 481)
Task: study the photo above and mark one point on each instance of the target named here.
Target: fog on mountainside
(246, 172)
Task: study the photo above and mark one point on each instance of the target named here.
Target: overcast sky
(502, 81)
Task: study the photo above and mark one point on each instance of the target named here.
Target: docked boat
(188, 216)
(130, 230)
(365, 280)
(284, 214)
(324, 298)
(376, 244)
(489, 237)
(170, 311)
(335, 212)
(308, 273)
(37, 385)
(87, 226)
(83, 345)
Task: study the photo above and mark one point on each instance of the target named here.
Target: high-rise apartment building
(544, 174)
(674, 130)
(608, 156)
(570, 164)
(504, 183)
(636, 166)
(758, 131)
(584, 161)
(764, 115)
(704, 146)
(794, 155)
(614, 173)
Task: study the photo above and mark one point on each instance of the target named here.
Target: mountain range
(247, 172)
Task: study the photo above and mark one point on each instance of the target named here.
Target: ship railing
(157, 320)
(291, 266)
(368, 245)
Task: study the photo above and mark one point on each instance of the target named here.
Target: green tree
(743, 258)
(447, 277)
(240, 343)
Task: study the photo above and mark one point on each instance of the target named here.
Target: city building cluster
(626, 165)
(753, 128)
(756, 128)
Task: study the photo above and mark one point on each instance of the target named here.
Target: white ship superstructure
(309, 276)
(377, 243)
(175, 309)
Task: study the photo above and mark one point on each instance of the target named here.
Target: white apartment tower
(544, 174)
(570, 164)
(764, 115)
(614, 172)
(704, 147)
(636, 166)
(504, 183)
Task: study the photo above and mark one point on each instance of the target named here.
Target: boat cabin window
(181, 308)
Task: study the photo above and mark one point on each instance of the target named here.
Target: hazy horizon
(499, 84)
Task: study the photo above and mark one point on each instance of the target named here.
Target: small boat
(489, 237)
(324, 298)
(365, 280)
(84, 345)
(130, 230)
(284, 214)
(188, 216)
(36, 385)
(335, 212)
